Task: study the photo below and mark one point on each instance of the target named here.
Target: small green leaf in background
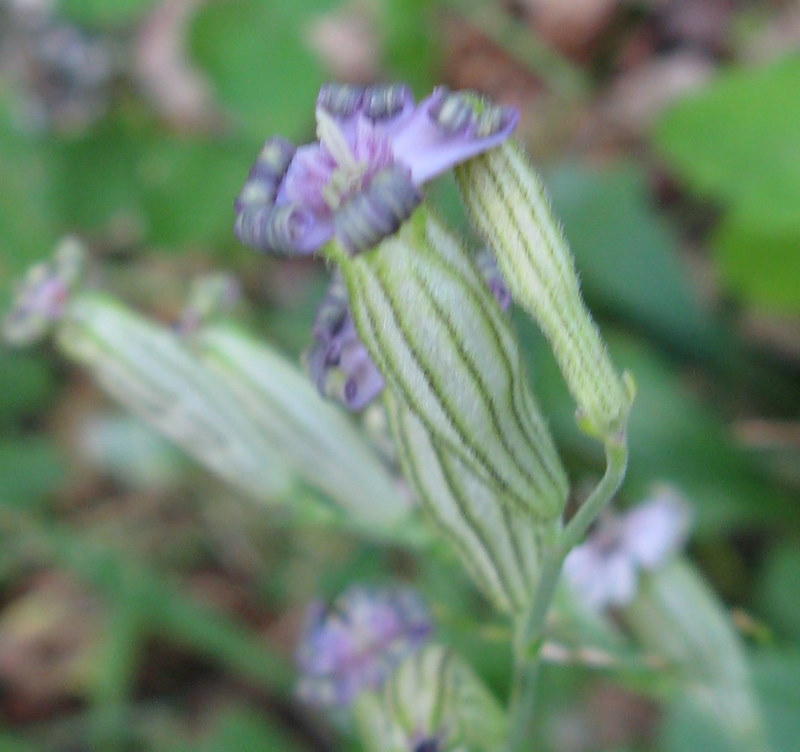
(760, 257)
(738, 142)
(778, 591)
(254, 52)
(777, 680)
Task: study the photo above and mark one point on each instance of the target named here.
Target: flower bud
(355, 644)
(448, 354)
(146, 368)
(507, 204)
(318, 442)
(498, 545)
(675, 615)
(433, 701)
(43, 293)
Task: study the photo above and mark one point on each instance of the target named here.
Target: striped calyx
(146, 368)
(499, 546)
(508, 205)
(433, 701)
(450, 358)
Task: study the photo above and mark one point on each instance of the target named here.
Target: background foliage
(142, 605)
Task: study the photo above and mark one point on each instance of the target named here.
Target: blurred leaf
(778, 590)
(25, 383)
(628, 258)
(410, 42)
(189, 187)
(29, 469)
(243, 731)
(100, 12)
(759, 257)
(686, 728)
(737, 139)
(27, 232)
(254, 53)
(777, 680)
(95, 176)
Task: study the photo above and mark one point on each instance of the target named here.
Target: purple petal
(655, 529)
(429, 145)
(308, 174)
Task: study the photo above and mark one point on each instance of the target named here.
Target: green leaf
(759, 258)
(26, 382)
(105, 12)
(737, 140)
(27, 232)
(778, 590)
(30, 468)
(777, 679)
(253, 52)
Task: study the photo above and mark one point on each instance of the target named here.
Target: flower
(354, 644)
(604, 570)
(43, 294)
(339, 362)
(361, 180)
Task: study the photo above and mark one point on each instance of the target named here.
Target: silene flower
(355, 644)
(339, 362)
(604, 570)
(362, 179)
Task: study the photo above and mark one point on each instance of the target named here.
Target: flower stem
(530, 634)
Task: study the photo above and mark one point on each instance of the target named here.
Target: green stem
(532, 625)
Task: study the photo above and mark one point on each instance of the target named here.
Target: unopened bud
(507, 203)
(145, 367)
(447, 352)
(433, 701)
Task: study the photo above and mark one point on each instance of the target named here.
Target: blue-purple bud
(468, 112)
(342, 100)
(378, 211)
(355, 644)
(381, 102)
(338, 362)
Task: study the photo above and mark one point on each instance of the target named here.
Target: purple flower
(361, 180)
(604, 570)
(355, 644)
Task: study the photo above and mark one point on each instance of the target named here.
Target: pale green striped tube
(676, 616)
(320, 444)
(507, 203)
(145, 367)
(449, 356)
(433, 696)
(499, 546)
